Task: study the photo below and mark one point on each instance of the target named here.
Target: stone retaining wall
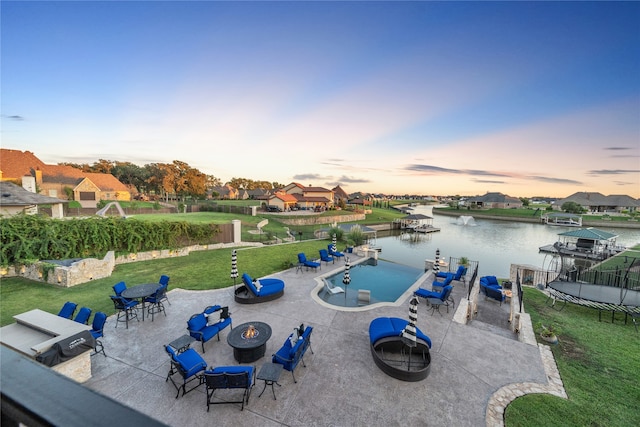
(317, 220)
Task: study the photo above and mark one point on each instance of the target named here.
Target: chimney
(38, 177)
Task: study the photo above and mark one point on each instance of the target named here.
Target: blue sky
(524, 98)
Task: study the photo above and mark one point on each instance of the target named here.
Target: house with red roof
(59, 181)
(297, 196)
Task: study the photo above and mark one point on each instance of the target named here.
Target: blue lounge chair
(436, 299)
(462, 271)
(324, 256)
(304, 262)
(262, 290)
(335, 254)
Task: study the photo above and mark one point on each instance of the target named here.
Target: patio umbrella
(409, 332)
(234, 268)
(346, 279)
(334, 248)
(436, 265)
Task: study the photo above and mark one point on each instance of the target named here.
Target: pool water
(386, 280)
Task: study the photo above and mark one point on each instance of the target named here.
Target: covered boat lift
(588, 243)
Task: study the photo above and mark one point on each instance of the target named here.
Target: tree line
(169, 179)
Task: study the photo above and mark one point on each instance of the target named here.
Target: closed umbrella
(334, 248)
(409, 332)
(436, 265)
(234, 268)
(346, 279)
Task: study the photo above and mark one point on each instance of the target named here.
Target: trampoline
(601, 297)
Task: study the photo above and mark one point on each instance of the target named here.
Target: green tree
(572, 207)
(525, 201)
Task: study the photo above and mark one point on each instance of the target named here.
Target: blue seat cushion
(197, 323)
(233, 370)
(423, 293)
(283, 355)
(383, 327)
(191, 362)
(268, 286)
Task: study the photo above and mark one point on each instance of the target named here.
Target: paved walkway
(475, 373)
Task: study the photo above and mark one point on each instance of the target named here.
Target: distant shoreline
(585, 222)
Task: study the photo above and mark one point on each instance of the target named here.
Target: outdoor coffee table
(247, 349)
(270, 374)
(182, 344)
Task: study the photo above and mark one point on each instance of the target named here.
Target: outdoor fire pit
(249, 341)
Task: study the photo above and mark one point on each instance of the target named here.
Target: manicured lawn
(200, 270)
(599, 363)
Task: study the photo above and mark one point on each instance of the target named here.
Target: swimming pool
(386, 281)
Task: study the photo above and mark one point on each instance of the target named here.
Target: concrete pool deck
(475, 371)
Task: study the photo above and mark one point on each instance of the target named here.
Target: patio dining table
(141, 292)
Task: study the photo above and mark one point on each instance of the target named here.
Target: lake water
(494, 244)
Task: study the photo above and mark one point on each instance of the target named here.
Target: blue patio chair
(189, 364)
(83, 315)
(67, 310)
(124, 308)
(304, 262)
(97, 330)
(335, 254)
(118, 288)
(155, 302)
(164, 280)
(324, 256)
(436, 299)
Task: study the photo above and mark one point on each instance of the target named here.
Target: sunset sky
(524, 98)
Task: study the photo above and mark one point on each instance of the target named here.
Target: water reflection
(494, 244)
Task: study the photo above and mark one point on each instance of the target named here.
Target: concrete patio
(476, 369)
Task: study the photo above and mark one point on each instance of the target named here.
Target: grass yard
(599, 363)
(197, 271)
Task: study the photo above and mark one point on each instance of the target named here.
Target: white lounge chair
(332, 289)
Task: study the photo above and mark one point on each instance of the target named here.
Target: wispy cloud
(308, 177)
(434, 170)
(488, 181)
(551, 180)
(14, 117)
(612, 171)
(618, 148)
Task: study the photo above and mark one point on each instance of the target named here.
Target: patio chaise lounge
(258, 290)
(304, 262)
(393, 355)
(458, 275)
(335, 254)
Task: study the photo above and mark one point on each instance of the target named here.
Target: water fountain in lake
(466, 220)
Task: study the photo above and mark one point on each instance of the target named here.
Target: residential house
(339, 195)
(495, 201)
(16, 200)
(59, 181)
(226, 192)
(305, 197)
(598, 202)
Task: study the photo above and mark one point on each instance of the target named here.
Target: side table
(182, 344)
(270, 374)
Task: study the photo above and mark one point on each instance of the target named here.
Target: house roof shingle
(14, 195)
